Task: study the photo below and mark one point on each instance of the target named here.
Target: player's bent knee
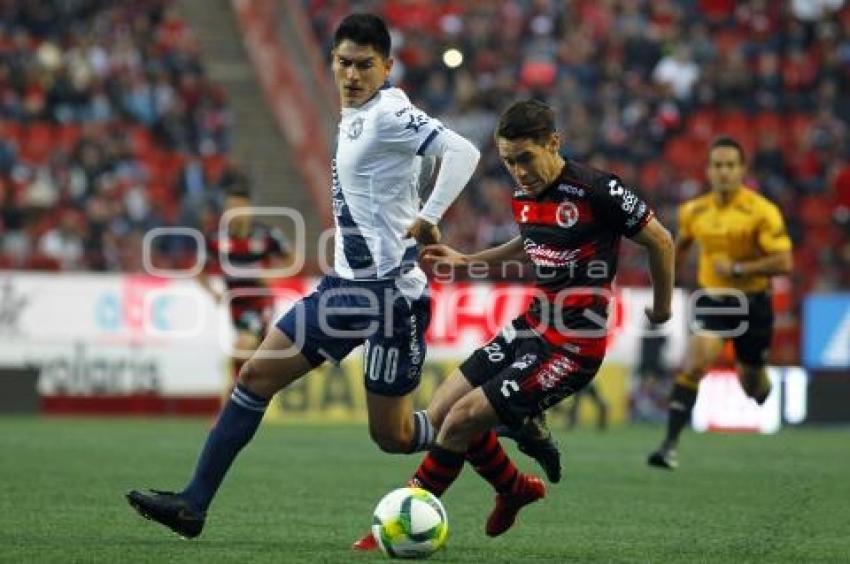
(261, 382)
(250, 376)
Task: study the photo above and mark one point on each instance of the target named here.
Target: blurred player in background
(592, 394)
(571, 219)
(247, 245)
(376, 296)
(742, 243)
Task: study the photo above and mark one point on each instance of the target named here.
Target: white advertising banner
(111, 334)
(93, 334)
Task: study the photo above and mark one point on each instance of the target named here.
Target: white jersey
(375, 194)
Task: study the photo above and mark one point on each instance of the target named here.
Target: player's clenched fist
(424, 232)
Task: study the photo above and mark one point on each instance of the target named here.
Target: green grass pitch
(303, 494)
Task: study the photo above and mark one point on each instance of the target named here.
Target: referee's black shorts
(749, 324)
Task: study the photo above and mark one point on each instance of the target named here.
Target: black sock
(236, 425)
(682, 402)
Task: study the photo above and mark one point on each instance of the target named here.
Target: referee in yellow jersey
(742, 242)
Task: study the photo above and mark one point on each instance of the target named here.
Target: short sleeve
(622, 208)
(772, 235)
(409, 130)
(685, 230)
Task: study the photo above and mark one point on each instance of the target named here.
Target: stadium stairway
(257, 143)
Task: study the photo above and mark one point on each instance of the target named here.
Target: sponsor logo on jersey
(355, 128)
(416, 122)
(566, 215)
(549, 256)
(524, 361)
(554, 371)
(629, 198)
(635, 218)
(571, 190)
(415, 350)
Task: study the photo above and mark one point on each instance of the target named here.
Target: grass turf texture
(303, 494)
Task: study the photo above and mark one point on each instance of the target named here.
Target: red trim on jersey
(565, 213)
(592, 347)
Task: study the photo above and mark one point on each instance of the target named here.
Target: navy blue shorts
(342, 314)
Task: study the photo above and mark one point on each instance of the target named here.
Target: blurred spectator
(100, 104)
(678, 72)
(64, 243)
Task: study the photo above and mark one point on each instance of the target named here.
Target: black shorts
(522, 374)
(752, 341)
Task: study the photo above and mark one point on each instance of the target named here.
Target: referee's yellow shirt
(747, 227)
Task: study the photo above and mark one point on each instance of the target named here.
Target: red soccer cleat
(365, 543)
(527, 489)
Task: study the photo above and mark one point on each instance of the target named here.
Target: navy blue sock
(236, 425)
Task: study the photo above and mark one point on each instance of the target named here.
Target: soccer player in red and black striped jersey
(246, 246)
(571, 219)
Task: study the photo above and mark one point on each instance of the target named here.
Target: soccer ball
(410, 523)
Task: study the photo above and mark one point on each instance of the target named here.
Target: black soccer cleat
(169, 509)
(762, 395)
(664, 458)
(534, 439)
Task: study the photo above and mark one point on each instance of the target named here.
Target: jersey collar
(739, 193)
(558, 180)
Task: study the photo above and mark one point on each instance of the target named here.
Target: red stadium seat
(702, 124)
(740, 127)
(37, 142)
(687, 154)
(768, 123)
(141, 141)
(815, 210)
(67, 136)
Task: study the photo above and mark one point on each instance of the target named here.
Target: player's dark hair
(239, 192)
(730, 143)
(364, 30)
(527, 119)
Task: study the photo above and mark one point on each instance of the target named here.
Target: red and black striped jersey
(572, 234)
(232, 254)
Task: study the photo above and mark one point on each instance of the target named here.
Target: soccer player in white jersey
(377, 295)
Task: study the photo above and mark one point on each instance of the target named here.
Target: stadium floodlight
(452, 58)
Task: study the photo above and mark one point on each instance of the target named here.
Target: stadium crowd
(109, 125)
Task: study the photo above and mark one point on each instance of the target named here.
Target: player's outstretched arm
(659, 246)
(443, 254)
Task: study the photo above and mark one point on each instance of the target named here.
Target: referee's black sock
(682, 400)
